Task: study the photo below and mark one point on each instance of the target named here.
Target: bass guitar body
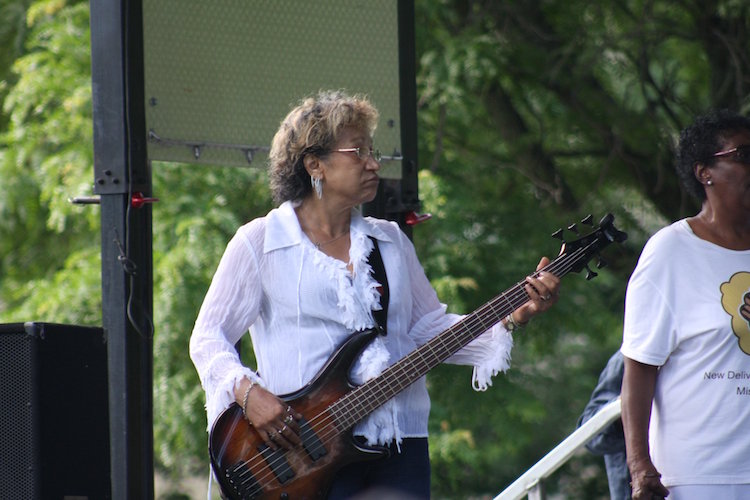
(247, 469)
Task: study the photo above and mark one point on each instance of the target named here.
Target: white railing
(531, 483)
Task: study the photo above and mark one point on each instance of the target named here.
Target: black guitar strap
(378, 269)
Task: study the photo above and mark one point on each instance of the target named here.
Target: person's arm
(490, 352)
(611, 439)
(638, 385)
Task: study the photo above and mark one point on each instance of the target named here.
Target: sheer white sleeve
(229, 308)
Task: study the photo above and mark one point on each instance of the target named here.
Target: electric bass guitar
(247, 469)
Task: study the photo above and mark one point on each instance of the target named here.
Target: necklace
(321, 245)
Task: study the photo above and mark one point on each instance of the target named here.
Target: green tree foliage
(199, 211)
(12, 34)
(47, 244)
(531, 115)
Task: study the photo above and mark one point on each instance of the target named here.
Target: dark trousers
(401, 476)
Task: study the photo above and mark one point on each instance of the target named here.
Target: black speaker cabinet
(54, 419)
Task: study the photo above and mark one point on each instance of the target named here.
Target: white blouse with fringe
(299, 305)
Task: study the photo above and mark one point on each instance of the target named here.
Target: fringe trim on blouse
(357, 298)
(496, 361)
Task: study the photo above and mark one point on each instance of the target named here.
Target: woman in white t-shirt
(686, 340)
(300, 280)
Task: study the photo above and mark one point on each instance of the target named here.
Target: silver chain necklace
(321, 245)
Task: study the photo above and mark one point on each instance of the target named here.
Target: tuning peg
(558, 234)
(600, 263)
(588, 220)
(590, 274)
(573, 227)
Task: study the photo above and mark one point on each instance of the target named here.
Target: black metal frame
(121, 168)
(398, 197)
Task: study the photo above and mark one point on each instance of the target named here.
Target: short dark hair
(698, 143)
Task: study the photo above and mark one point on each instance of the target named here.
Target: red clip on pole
(413, 218)
(137, 200)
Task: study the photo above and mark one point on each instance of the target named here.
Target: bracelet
(247, 393)
(511, 325)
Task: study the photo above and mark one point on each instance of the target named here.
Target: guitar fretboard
(365, 399)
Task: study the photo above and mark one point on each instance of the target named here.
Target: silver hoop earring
(709, 182)
(317, 185)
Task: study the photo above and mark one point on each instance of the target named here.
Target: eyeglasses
(741, 154)
(362, 153)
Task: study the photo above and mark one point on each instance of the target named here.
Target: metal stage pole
(121, 169)
(397, 198)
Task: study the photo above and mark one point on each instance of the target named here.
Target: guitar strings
(473, 326)
(325, 435)
(519, 297)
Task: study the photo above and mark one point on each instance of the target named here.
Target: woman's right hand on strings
(275, 420)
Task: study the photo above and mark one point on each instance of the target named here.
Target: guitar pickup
(310, 441)
(278, 463)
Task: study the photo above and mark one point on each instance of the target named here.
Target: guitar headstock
(576, 254)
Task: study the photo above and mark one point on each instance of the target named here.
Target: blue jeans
(400, 476)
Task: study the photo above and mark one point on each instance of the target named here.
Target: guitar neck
(365, 399)
(372, 394)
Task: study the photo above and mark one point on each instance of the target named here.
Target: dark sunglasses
(741, 154)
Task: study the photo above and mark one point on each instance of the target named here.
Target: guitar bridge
(241, 480)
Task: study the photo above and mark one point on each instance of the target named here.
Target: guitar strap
(376, 263)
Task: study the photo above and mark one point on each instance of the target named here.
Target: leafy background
(531, 115)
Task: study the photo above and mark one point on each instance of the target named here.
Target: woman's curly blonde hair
(312, 128)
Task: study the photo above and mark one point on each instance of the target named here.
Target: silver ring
(281, 431)
(288, 419)
(547, 297)
(271, 435)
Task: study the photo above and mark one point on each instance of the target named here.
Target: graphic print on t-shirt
(735, 299)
